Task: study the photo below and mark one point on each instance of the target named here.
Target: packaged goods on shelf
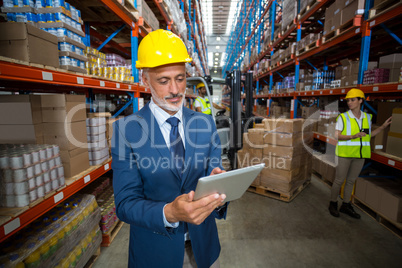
(304, 4)
(98, 148)
(28, 172)
(96, 62)
(289, 13)
(376, 76)
(147, 14)
(382, 195)
(25, 42)
(327, 122)
(66, 235)
(307, 42)
(393, 62)
(321, 78)
(350, 71)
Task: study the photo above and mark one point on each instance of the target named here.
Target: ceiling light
(217, 47)
(216, 59)
(218, 38)
(216, 54)
(215, 71)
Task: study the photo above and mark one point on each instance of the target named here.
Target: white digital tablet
(232, 183)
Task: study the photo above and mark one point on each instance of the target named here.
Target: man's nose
(174, 89)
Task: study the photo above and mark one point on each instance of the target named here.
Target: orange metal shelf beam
(326, 139)
(18, 72)
(377, 20)
(22, 220)
(116, 8)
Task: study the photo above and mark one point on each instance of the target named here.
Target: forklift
(230, 128)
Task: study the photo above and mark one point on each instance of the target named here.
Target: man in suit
(159, 153)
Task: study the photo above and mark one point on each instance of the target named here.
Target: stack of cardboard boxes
(350, 72)
(48, 119)
(289, 13)
(394, 140)
(381, 195)
(64, 118)
(282, 145)
(21, 119)
(340, 13)
(393, 62)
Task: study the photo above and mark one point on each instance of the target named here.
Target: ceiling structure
(218, 16)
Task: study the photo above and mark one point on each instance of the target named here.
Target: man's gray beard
(164, 104)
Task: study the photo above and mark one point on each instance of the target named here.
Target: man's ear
(145, 78)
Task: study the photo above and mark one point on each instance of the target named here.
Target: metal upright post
(134, 52)
(235, 114)
(365, 45)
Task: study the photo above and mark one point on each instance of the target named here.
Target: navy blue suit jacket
(144, 181)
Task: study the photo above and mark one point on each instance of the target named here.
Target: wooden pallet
(384, 7)
(273, 193)
(307, 8)
(309, 47)
(93, 259)
(351, 24)
(107, 238)
(392, 226)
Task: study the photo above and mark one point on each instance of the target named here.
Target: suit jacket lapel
(152, 130)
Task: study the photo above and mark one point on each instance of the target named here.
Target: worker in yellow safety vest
(202, 104)
(353, 132)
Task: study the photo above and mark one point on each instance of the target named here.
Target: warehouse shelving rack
(16, 75)
(361, 30)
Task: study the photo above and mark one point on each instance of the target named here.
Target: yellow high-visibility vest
(205, 105)
(355, 148)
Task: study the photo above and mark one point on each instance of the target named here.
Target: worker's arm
(198, 109)
(216, 106)
(341, 137)
(383, 126)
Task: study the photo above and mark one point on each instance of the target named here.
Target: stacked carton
(64, 118)
(98, 148)
(285, 154)
(350, 71)
(392, 62)
(281, 145)
(394, 140)
(381, 195)
(289, 13)
(21, 119)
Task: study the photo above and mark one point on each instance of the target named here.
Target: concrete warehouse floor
(264, 232)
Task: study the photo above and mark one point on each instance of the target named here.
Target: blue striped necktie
(176, 145)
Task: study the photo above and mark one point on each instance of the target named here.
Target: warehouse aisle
(264, 232)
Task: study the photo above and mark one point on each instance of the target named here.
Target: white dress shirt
(339, 123)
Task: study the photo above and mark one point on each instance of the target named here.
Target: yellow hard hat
(354, 93)
(161, 47)
(199, 85)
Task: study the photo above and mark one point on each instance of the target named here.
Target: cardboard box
(243, 157)
(255, 156)
(394, 144)
(73, 137)
(396, 125)
(379, 142)
(259, 125)
(351, 9)
(54, 115)
(74, 161)
(280, 185)
(272, 162)
(360, 189)
(246, 141)
(25, 42)
(391, 202)
(20, 109)
(60, 100)
(30, 133)
(392, 61)
(283, 139)
(283, 125)
(256, 136)
(394, 74)
(282, 151)
(373, 193)
(384, 111)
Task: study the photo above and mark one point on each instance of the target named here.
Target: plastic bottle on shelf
(33, 260)
(45, 251)
(53, 244)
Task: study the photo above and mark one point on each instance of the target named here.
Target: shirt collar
(353, 116)
(161, 116)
